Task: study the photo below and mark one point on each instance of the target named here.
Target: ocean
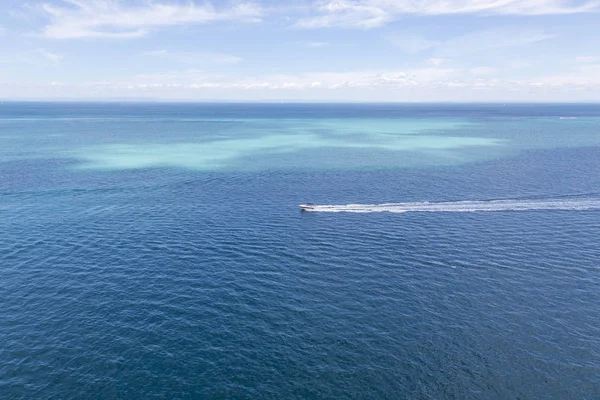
(158, 251)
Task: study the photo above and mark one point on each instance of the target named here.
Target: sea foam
(557, 204)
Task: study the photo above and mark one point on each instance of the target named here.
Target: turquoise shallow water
(157, 251)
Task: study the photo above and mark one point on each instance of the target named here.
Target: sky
(301, 50)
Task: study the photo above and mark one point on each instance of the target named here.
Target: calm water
(157, 251)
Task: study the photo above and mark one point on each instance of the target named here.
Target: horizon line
(221, 101)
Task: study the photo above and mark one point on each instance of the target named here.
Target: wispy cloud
(317, 44)
(493, 39)
(193, 58)
(114, 19)
(436, 61)
(53, 57)
(586, 59)
(412, 43)
(519, 64)
(511, 7)
(375, 13)
(36, 57)
(472, 42)
(483, 71)
(359, 14)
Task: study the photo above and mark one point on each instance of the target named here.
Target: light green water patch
(206, 155)
(220, 154)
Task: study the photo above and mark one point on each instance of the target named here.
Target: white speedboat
(307, 207)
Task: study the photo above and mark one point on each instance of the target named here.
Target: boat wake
(556, 204)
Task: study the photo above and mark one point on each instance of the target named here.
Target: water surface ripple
(182, 283)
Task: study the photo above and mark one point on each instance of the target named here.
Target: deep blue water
(157, 251)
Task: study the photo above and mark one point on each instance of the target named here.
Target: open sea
(157, 251)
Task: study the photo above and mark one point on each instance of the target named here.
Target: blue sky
(301, 50)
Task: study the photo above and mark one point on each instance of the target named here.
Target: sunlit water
(158, 251)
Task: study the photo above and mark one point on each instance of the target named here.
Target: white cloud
(519, 64)
(113, 19)
(313, 80)
(475, 42)
(513, 7)
(493, 39)
(34, 57)
(436, 61)
(346, 14)
(586, 59)
(53, 57)
(586, 75)
(427, 84)
(411, 43)
(194, 58)
(375, 13)
(480, 71)
(370, 82)
(317, 44)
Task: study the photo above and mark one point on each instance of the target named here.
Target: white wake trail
(559, 204)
